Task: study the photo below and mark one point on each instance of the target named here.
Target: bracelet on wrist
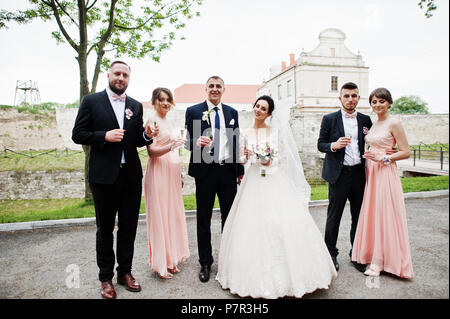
(386, 160)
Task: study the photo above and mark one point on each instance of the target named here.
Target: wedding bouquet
(264, 153)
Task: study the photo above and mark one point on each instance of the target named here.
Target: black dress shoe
(335, 262)
(359, 267)
(204, 273)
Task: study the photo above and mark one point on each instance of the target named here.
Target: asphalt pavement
(57, 261)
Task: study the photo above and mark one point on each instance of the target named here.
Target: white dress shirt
(224, 152)
(352, 154)
(119, 109)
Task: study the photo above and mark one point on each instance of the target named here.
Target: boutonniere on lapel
(205, 116)
(365, 130)
(232, 122)
(128, 113)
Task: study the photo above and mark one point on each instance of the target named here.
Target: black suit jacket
(197, 166)
(332, 128)
(95, 117)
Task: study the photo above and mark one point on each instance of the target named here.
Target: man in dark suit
(341, 138)
(111, 123)
(213, 163)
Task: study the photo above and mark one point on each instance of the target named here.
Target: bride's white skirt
(271, 246)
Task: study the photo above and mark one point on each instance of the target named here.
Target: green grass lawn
(45, 209)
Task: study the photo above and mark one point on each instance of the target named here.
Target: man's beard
(116, 90)
(348, 109)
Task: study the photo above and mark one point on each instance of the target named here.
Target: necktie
(120, 98)
(350, 116)
(216, 141)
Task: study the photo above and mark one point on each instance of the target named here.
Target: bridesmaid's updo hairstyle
(381, 93)
(269, 101)
(157, 93)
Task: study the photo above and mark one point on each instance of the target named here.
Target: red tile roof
(234, 93)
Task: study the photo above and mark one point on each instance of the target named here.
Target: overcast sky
(240, 39)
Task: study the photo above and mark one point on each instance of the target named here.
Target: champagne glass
(183, 133)
(245, 143)
(211, 147)
(211, 137)
(349, 137)
(152, 125)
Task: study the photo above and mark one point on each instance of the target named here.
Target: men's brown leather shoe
(129, 282)
(108, 291)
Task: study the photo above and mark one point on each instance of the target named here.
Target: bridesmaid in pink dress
(166, 220)
(381, 238)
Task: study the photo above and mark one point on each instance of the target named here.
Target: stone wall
(424, 128)
(427, 129)
(41, 184)
(53, 184)
(24, 130)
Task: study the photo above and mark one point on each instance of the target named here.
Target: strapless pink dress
(382, 233)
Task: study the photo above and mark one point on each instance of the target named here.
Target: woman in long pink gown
(381, 238)
(166, 221)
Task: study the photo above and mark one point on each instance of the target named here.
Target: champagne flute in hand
(211, 137)
(349, 138)
(183, 133)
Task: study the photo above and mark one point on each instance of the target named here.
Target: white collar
(212, 106)
(110, 92)
(343, 112)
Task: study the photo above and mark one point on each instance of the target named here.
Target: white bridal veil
(290, 160)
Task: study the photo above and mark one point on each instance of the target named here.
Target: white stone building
(312, 81)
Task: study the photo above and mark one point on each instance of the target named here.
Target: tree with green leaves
(430, 6)
(102, 29)
(409, 105)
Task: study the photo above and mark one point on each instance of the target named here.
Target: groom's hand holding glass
(203, 141)
(114, 136)
(341, 143)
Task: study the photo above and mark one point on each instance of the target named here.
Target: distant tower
(27, 92)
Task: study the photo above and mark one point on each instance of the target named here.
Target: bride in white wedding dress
(271, 246)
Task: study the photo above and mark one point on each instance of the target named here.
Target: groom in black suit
(341, 138)
(214, 164)
(111, 123)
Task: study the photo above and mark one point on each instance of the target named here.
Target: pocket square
(232, 122)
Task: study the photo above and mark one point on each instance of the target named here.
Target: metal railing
(431, 153)
(36, 153)
(56, 152)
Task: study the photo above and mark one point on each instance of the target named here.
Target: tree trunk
(84, 85)
(100, 54)
(84, 90)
